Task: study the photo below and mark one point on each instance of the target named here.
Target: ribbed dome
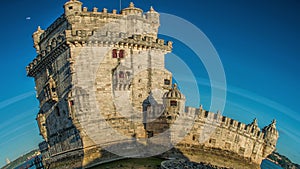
(173, 93)
(132, 9)
(271, 128)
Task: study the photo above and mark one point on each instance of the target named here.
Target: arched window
(114, 53)
(121, 54)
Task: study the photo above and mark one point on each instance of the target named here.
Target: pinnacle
(151, 9)
(175, 86)
(255, 121)
(131, 5)
(39, 29)
(273, 123)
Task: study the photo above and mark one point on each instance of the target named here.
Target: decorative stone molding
(45, 58)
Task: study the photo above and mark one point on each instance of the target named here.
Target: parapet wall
(212, 130)
(218, 120)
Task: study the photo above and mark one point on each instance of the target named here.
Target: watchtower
(95, 67)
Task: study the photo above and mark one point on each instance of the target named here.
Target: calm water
(266, 164)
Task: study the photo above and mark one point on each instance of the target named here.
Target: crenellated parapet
(145, 42)
(132, 19)
(246, 140)
(112, 39)
(79, 27)
(249, 130)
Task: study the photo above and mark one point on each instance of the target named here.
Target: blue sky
(258, 43)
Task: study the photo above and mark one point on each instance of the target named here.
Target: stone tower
(91, 64)
(104, 94)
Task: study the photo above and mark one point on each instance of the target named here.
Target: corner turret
(270, 136)
(73, 7)
(174, 102)
(153, 17)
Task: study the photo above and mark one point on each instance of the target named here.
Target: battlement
(113, 39)
(217, 120)
(215, 131)
(78, 27)
(75, 8)
(102, 17)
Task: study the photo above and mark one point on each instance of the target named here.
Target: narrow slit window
(57, 111)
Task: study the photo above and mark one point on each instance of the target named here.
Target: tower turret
(73, 7)
(153, 17)
(174, 102)
(270, 136)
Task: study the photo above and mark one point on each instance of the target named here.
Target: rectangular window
(173, 103)
(114, 53)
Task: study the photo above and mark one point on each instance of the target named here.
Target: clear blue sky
(258, 43)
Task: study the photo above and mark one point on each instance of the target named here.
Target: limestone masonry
(105, 94)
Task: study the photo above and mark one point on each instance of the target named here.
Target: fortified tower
(102, 84)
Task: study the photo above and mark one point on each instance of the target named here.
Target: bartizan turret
(270, 137)
(73, 7)
(174, 102)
